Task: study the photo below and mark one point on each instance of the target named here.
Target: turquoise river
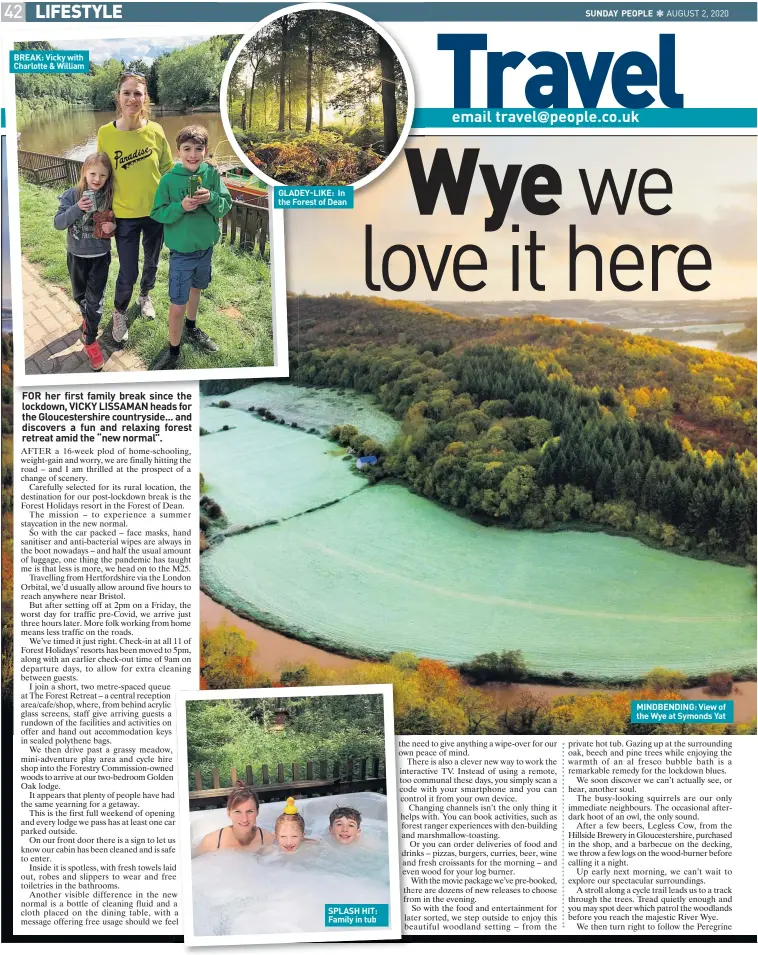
(379, 569)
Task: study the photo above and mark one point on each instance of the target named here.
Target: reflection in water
(73, 134)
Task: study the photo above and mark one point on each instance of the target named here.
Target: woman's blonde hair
(107, 190)
(145, 111)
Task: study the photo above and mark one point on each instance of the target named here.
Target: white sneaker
(146, 307)
(120, 332)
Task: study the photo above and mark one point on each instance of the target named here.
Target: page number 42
(12, 11)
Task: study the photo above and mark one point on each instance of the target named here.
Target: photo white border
(91, 30)
(300, 8)
(393, 842)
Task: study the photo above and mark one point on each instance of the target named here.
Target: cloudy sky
(713, 204)
(147, 49)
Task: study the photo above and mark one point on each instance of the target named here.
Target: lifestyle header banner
(629, 13)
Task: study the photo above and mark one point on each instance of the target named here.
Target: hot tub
(253, 893)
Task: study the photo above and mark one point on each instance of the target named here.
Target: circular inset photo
(317, 95)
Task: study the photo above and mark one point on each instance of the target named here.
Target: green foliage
(238, 733)
(347, 433)
(505, 667)
(190, 76)
(744, 340)
(661, 679)
(66, 88)
(404, 660)
(629, 368)
(104, 83)
(418, 722)
(225, 660)
(184, 78)
(287, 76)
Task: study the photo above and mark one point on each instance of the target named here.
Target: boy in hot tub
(344, 825)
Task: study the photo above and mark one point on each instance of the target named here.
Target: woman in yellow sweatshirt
(140, 154)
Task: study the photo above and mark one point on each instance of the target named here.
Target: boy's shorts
(188, 270)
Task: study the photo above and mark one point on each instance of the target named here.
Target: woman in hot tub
(244, 832)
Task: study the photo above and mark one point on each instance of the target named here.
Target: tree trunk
(309, 84)
(320, 81)
(389, 101)
(289, 99)
(283, 74)
(243, 122)
(250, 109)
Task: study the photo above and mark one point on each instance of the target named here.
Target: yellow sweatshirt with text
(139, 158)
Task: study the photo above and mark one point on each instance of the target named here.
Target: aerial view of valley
(522, 522)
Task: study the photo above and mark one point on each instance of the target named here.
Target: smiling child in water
(289, 829)
(345, 825)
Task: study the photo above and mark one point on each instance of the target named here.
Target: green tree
(661, 679)
(190, 77)
(104, 84)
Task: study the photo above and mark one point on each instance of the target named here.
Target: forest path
(52, 340)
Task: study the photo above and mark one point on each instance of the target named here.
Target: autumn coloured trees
(431, 697)
(500, 435)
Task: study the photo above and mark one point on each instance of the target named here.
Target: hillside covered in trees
(181, 78)
(535, 422)
(317, 97)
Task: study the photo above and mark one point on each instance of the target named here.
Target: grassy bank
(235, 311)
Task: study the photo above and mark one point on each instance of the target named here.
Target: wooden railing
(247, 226)
(322, 778)
(43, 169)
(244, 225)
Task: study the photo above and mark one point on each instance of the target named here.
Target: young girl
(88, 257)
(289, 829)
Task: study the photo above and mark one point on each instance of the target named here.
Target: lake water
(73, 134)
(385, 570)
(709, 344)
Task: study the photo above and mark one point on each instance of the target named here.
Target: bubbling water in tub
(270, 893)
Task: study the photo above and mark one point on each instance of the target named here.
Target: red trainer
(96, 360)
